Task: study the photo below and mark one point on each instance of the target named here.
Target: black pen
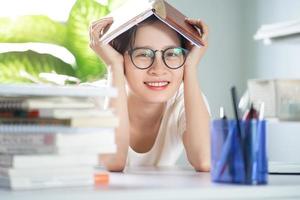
(239, 131)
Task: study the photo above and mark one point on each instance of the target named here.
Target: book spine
(35, 121)
(29, 161)
(9, 105)
(44, 173)
(103, 148)
(6, 161)
(71, 122)
(38, 183)
(50, 90)
(19, 113)
(27, 150)
(57, 139)
(27, 139)
(46, 129)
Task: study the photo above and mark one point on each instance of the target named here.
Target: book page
(126, 16)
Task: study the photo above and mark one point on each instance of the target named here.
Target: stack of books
(51, 136)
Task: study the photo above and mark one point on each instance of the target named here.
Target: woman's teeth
(157, 84)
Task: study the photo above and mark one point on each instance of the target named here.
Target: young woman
(160, 104)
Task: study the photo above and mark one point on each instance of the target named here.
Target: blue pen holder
(239, 157)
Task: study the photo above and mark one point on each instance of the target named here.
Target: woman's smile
(157, 85)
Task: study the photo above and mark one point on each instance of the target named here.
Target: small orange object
(101, 178)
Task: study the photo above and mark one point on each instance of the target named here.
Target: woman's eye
(144, 54)
(172, 54)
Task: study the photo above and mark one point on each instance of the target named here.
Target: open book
(136, 11)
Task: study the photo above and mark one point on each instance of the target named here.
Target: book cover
(136, 11)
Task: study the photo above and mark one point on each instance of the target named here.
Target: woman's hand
(115, 61)
(106, 52)
(197, 53)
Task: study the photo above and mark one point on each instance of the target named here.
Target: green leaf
(90, 67)
(34, 28)
(14, 65)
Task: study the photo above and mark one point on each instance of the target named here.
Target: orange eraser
(101, 178)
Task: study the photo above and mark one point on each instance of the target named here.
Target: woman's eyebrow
(149, 47)
(146, 47)
(171, 46)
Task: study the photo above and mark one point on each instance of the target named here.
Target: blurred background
(56, 37)
(49, 36)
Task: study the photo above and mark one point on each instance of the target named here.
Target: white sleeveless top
(168, 145)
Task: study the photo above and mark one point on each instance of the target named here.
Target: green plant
(73, 35)
(22, 66)
(89, 65)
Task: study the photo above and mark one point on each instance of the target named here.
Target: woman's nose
(158, 67)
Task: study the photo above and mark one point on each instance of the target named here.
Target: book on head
(134, 12)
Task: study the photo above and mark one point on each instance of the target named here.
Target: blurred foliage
(21, 66)
(82, 14)
(32, 29)
(73, 35)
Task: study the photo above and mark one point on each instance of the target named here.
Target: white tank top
(168, 145)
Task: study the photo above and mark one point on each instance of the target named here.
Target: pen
(250, 121)
(225, 154)
(227, 142)
(239, 132)
(223, 117)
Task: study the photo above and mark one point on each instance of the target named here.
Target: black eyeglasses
(173, 57)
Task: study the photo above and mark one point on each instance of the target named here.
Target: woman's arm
(115, 66)
(196, 138)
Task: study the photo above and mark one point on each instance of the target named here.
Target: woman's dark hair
(126, 40)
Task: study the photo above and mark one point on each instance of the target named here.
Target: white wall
(279, 60)
(233, 55)
(221, 66)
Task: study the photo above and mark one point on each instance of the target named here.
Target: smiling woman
(160, 114)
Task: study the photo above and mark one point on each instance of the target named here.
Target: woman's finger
(201, 26)
(101, 28)
(110, 19)
(98, 30)
(100, 24)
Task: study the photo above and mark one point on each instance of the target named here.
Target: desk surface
(166, 183)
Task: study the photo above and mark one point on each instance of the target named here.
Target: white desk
(166, 183)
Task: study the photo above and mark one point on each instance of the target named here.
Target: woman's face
(158, 83)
